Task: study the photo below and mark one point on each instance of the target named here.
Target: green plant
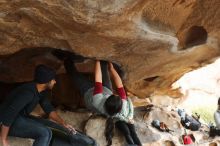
(206, 113)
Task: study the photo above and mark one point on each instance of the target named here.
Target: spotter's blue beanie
(44, 74)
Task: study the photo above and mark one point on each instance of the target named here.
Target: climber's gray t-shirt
(96, 102)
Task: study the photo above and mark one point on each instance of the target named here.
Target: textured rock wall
(148, 38)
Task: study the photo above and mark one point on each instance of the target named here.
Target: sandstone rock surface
(155, 41)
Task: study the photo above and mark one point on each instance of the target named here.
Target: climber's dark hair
(109, 130)
(113, 105)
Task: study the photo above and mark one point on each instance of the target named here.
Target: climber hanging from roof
(99, 97)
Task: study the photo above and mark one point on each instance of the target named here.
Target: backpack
(214, 131)
(191, 123)
(187, 140)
